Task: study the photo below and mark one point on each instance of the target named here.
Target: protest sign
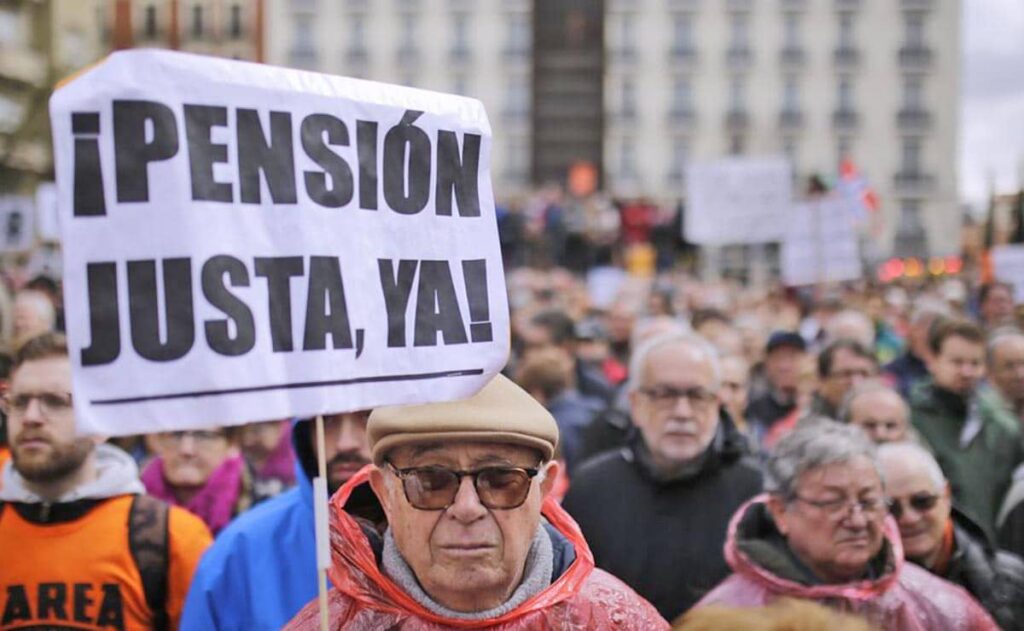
(1008, 267)
(245, 242)
(737, 200)
(17, 233)
(820, 244)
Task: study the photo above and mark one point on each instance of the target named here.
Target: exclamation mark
(88, 186)
(475, 274)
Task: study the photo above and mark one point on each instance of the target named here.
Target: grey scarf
(536, 577)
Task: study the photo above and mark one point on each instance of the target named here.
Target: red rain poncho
(905, 598)
(364, 598)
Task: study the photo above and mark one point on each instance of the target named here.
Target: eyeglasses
(435, 488)
(668, 397)
(50, 403)
(841, 506)
(202, 438)
(921, 502)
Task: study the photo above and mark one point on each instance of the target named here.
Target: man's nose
(467, 506)
(348, 437)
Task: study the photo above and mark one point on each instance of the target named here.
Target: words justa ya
(147, 132)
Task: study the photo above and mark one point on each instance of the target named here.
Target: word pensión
(149, 132)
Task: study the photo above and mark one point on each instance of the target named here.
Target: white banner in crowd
(1008, 267)
(47, 220)
(17, 231)
(244, 242)
(737, 200)
(820, 244)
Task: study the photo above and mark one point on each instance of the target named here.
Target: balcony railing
(739, 57)
(408, 55)
(357, 56)
(793, 56)
(460, 55)
(846, 56)
(682, 116)
(915, 57)
(845, 119)
(791, 119)
(914, 120)
(737, 120)
(682, 55)
(913, 184)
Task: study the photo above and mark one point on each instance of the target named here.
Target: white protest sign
(245, 242)
(16, 226)
(820, 244)
(1008, 266)
(47, 222)
(737, 200)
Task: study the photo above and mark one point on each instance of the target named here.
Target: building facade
(816, 80)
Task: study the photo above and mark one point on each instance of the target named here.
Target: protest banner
(737, 200)
(820, 244)
(1008, 267)
(244, 242)
(17, 231)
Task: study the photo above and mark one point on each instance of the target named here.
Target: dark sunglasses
(922, 503)
(435, 488)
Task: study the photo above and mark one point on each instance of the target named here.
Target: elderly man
(466, 537)
(976, 441)
(655, 512)
(878, 410)
(943, 540)
(1006, 368)
(821, 534)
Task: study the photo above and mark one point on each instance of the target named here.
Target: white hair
(913, 453)
(811, 445)
(638, 360)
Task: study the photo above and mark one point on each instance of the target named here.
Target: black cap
(780, 339)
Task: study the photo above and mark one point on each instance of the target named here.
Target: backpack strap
(147, 539)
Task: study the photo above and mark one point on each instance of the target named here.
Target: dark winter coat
(664, 537)
(994, 577)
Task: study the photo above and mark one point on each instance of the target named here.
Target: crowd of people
(659, 450)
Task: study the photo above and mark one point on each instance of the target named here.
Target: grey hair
(907, 451)
(867, 387)
(997, 337)
(638, 360)
(813, 445)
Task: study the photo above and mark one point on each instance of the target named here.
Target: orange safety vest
(81, 574)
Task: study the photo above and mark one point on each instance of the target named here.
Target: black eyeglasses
(921, 502)
(667, 397)
(435, 488)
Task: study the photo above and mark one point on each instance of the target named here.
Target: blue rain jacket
(261, 569)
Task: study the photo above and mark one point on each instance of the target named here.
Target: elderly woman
(201, 471)
(822, 533)
(461, 534)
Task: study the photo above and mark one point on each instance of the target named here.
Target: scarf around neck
(214, 503)
(536, 577)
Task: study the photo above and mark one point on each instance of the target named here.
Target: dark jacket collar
(59, 513)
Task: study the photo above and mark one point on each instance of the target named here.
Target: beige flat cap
(501, 412)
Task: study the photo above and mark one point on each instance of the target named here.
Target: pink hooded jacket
(364, 598)
(905, 598)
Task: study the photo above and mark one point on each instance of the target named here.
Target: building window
(519, 35)
(792, 30)
(357, 32)
(911, 155)
(627, 158)
(736, 145)
(197, 21)
(460, 84)
(737, 94)
(913, 89)
(915, 29)
(627, 33)
(628, 96)
(517, 97)
(150, 21)
(845, 94)
(846, 39)
(680, 156)
(236, 21)
(738, 28)
(460, 30)
(682, 31)
(844, 149)
(682, 95)
(789, 148)
(408, 35)
(791, 94)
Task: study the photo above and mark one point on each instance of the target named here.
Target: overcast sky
(992, 123)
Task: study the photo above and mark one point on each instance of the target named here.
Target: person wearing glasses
(201, 471)
(74, 521)
(945, 541)
(655, 512)
(822, 533)
(466, 536)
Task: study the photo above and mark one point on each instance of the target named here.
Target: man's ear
(777, 508)
(381, 489)
(551, 471)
